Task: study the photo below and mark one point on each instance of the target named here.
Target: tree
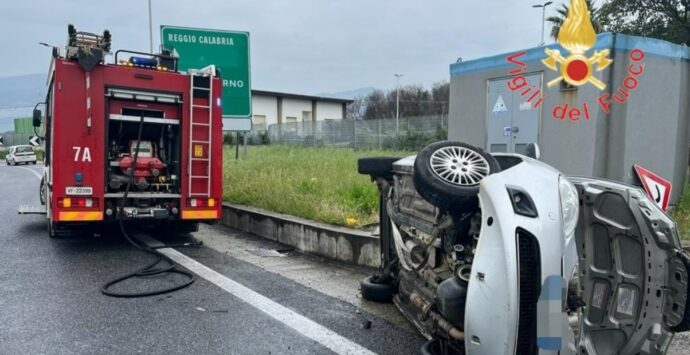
(356, 109)
(562, 12)
(440, 95)
(377, 106)
(663, 19)
(415, 100)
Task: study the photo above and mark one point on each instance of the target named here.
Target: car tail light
(77, 202)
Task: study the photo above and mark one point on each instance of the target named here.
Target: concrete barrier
(338, 243)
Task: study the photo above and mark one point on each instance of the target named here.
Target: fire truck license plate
(78, 190)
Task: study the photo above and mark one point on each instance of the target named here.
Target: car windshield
(25, 150)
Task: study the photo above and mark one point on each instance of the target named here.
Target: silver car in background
(502, 254)
(20, 154)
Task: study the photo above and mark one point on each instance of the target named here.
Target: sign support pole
(237, 145)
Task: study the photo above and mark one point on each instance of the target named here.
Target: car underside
(502, 254)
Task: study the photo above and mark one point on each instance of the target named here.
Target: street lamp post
(397, 105)
(150, 30)
(543, 17)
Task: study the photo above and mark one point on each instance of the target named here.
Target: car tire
(452, 185)
(684, 324)
(378, 289)
(431, 347)
(376, 166)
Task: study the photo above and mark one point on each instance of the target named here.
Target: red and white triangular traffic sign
(658, 188)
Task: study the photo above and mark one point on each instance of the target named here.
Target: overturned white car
(502, 254)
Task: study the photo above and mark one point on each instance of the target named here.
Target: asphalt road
(251, 297)
(50, 299)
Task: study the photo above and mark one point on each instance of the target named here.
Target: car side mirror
(37, 118)
(532, 150)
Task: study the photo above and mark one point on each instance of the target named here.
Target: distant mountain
(351, 94)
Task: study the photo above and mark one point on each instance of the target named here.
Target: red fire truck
(134, 139)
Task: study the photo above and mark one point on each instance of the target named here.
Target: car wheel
(378, 289)
(376, 166)
(447, 174)
(431, 347)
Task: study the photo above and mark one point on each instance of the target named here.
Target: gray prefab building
(504, 102)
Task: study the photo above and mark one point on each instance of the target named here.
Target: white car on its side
(490, 254)
(20, 154)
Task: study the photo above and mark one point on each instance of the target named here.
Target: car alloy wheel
(459, 165)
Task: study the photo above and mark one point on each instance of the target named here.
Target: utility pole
(150, 30)
(543, 17)
(397, 105)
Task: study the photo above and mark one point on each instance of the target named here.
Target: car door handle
(515, 129)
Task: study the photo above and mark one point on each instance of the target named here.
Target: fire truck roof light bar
(161, 58)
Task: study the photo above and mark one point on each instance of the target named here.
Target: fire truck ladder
(200, 131)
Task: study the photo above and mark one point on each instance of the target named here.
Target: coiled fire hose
(150, 269)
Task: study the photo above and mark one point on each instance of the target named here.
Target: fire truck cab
(133, 139)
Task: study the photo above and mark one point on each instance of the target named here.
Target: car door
(633, 275)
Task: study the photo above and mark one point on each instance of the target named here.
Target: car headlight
(570, 204)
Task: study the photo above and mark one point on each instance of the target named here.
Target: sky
(300, 46)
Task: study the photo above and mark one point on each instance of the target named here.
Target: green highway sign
(228, 51)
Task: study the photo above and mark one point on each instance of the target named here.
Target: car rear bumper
(23, 159)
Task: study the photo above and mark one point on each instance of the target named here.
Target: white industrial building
(270, 107)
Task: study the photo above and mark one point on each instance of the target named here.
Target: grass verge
(320, 184)
(681, 214)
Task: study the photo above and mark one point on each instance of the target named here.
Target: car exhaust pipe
(425, 306)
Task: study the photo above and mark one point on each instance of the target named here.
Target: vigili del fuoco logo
(577, 37)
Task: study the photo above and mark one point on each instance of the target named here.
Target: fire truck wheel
(42, 191)
(51, 229)
(186, 227)
(172, 228)
(56, 231)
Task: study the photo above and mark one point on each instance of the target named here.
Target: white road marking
(31, 170)
(292, 319)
